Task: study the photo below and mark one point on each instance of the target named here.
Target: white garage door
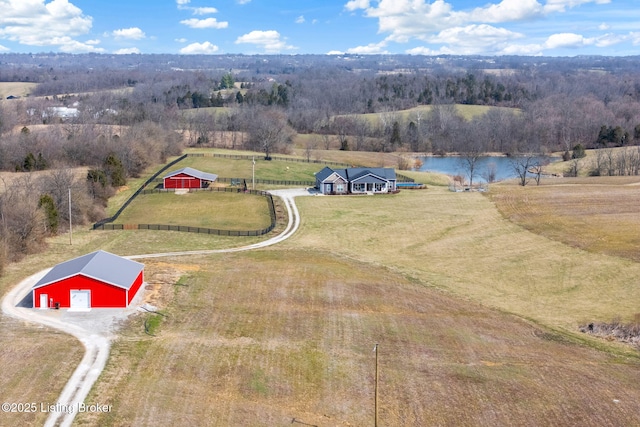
(80, 300)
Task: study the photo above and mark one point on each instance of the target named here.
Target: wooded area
(115, 115)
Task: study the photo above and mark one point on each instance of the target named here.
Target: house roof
(388, 174)
(325, 173)
(100, 265)
(194, 173)
(352, 174)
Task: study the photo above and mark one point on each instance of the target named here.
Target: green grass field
(207, 209)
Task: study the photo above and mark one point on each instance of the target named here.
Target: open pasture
(468, 112)
(461, 243)
(207, 209)
(16, 89)
(598, 214)
(276, 337)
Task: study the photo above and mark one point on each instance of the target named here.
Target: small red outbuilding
(188, 178)
(96, 280)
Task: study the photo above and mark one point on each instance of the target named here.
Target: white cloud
(467, 30)
(205, 48)
(475, 39)
(182, 2)
(127, 51)
(300, 20)
(205, 23)
(604, 26)
(335, 52)
(4, 49)
(204, 10)
(34, 23)
(370, 49)
(566, 40)
(506, 11)
(243, 1)
(181, 40)
(132, 33)
(356, 4)
(562, 5)
(271, 41)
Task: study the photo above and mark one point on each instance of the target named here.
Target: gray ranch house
(356, 180)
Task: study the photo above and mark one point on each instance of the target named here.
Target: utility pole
(253, 173)
(70, 228)
(375, 423)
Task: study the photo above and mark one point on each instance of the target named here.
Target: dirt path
(97, 339)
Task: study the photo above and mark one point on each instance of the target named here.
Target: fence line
(130, 199)
(187, 229)
(142, 190)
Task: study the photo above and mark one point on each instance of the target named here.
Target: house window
(380, 187)
(358, 187)
(340, 188)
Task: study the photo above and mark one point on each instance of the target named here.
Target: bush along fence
(138, 191)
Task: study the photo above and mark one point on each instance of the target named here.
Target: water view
(454, 166)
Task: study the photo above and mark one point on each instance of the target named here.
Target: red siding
(182, 180)
(136, 285)
(103, 295)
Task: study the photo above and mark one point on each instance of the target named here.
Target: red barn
(188, 178)
(95, 280)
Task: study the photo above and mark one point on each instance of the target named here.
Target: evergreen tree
(114, 170)
(51, 213)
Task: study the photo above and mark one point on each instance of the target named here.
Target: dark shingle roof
(193, 172)
(387, 174)
(100, 265)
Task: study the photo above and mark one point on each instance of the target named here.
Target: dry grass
(285, 334)
(266, 338)
(460, 242)
(596, 214)
(16, 89)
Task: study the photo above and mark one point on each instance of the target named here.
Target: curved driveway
(97, 343)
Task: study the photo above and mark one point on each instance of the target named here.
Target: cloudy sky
(507, 27)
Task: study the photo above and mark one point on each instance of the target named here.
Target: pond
(454, 166)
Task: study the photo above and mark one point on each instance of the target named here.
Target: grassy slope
(461, 243)
(260, 338)
(290, 338)
(596, 214)
(15, 89)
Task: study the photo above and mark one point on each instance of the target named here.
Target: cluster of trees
(133, 112)
(551, 104)
(33, 207)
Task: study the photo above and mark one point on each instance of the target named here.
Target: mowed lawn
(207, 209)
(285, 337)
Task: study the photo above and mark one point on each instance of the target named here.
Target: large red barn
(188, 178)
(96, 280)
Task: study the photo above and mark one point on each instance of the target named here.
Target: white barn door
(80, 300)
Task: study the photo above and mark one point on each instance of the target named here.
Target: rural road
(97, 341)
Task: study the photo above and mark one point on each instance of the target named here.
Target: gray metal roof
(388, 174)
(194, 173)
(100, 265)
(351, 174)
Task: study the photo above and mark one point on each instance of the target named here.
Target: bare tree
(521, 165)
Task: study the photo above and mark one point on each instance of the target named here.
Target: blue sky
(459, 27)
